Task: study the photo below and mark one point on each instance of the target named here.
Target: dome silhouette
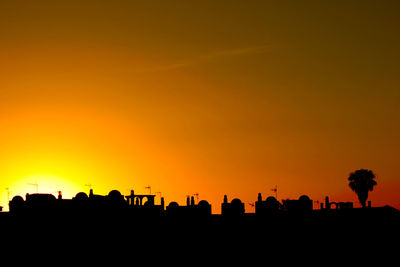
(173, 204)
(203, 203)
(115, 195)
(271, 203)
(236, 202)
(16, 204)
(304, 198)
(81, 196)
(17, 200)
(271, 199)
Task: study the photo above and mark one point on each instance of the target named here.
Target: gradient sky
(208, 97)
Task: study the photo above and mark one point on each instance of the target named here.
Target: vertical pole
(8, 194)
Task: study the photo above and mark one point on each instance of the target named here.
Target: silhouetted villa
(36, 203)
(235, 208)
(302, 205)
(81, 203)
(134, 207)
(269, 206)
(144, 205)
(203, 208)
(338, 205)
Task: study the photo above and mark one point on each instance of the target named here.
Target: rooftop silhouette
(131, 221)
(143, 206)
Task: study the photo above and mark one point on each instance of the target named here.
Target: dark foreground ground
(317, 239)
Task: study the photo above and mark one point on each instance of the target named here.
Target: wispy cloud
(205, 57)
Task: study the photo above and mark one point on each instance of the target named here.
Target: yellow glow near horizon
(40, 183)
(46, 183)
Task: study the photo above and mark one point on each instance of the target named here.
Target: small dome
(173, 204)
(236, 202)
(203, 203)
(16, 204)
(271, 203)
(271, 199)
(17, 200)
(115, 195)
(81, 196)
(304, 198)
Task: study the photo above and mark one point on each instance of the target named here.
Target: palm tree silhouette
(361, 182)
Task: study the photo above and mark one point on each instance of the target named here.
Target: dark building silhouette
(268, 207)
(85, 204)
(133, 208)
(202, 209)
(34, 203)
(17, 204)
(144, 205)
(302, 205)
(235, 208)
(132, 225)
(338, 205)
(41, 202)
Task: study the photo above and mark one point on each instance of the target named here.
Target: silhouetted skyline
(200, 131)
(198, 97)
(143, 206)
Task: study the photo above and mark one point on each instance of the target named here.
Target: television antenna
(275, 190)
(197, 196)
(8, 193)
(36, 185)
(148, 187)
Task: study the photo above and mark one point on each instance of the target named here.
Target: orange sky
(212, 98)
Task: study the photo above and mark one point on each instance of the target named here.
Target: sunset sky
(208, 97)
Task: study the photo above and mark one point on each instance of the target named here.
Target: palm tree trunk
(362, 197)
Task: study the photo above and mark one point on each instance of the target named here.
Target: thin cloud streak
(205, 57)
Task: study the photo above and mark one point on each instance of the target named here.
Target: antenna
(276, 191)
(197, 196)
(148, 187)
(89, 185)
(8, 194)
(36, 186)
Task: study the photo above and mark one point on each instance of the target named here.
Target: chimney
(162, 202)
(327, 206)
